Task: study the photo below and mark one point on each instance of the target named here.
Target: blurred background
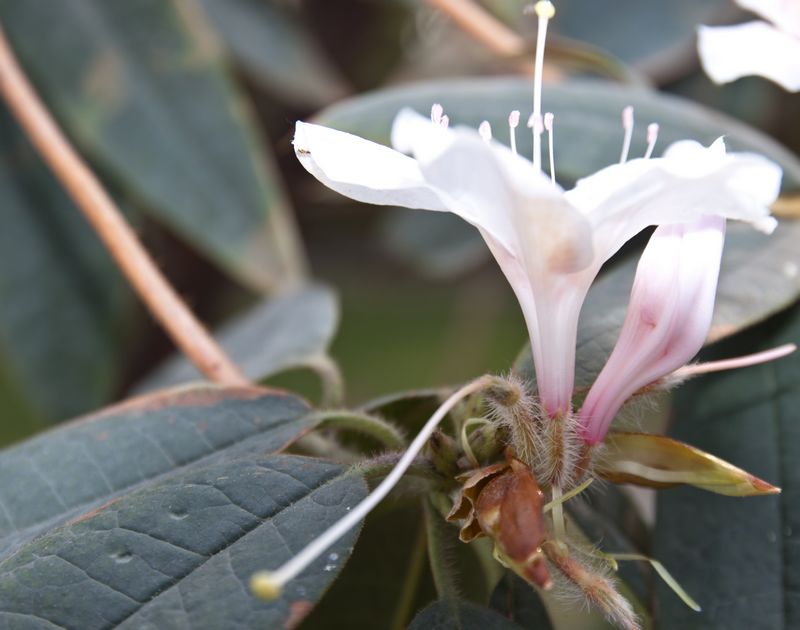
(185, 109)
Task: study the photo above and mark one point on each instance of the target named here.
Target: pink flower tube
(667, 321)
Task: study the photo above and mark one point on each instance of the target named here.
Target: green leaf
(467, 616)
(65, 308)
(588, 132)
(141, 88)
(68, 471)
(738, 557)
(276, 47)
(281, 333)
(517, 600)
(180, 553)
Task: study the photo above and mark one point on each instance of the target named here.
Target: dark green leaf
(517, 600)
(467, 616)
(285, 332)
(63, 305)
(180, 553)
(68, 471)
(588, 131)
(738, 557)
(387, 579)
(141, 88)
(276, 47)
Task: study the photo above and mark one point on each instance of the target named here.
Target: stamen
(548, 125)
(269, 584)
(536, 125)
(436, 113)
(627, 125)
(445, 121)
(544, 10)
(485, 129)
(652, 136)
(513, 123)
(688, 371)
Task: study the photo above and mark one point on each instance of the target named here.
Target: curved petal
(667, 321)
(731, 52)
(363, 170)
(689, 182)
(785, 14)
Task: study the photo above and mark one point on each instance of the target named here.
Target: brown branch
(482, 25)
(106, 219)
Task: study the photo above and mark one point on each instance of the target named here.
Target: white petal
(689, 182)
(730, 52)
(785, 14)
(363, 170)
(667, 321)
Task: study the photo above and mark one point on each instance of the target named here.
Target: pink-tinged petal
(785, 14)
(540, 241)
(667, 321)
(363, 170)
(731, 52)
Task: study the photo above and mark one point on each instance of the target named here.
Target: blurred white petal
(730, 52)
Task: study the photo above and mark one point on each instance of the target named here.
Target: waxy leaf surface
(738, 557)
(69, 471)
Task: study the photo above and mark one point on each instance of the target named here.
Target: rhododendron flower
(668, 317)
(550, 243)
(758, 47)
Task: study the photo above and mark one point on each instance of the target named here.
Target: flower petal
(785, 14)
(363, 170)
(690, 181)
(667, 321)
(730, 52)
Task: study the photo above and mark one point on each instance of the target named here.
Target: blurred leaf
(588, 131)
(180, 553)
(467, 616)
(64, 308)
(276, 47)
(661, 462)
(738, 557)
(517, 601)
(88, 462)
(281, 333)
(140, 86)
(652, 35)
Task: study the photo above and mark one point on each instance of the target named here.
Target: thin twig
(106, 219)
(482, 25)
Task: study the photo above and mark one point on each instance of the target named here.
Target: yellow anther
(264, 586)
(544, 9)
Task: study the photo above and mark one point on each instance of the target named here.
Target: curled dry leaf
(660, 462)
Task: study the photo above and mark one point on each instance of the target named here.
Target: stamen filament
(485, 130)
(513, 123)
(652, 136)
(544, 10)
(558, 513)
(738, 362)
(269, 584)
(548, 125)
(627, 125)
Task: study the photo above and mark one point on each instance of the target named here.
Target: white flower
(668, 317)
(550, 243)
(769, 50)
